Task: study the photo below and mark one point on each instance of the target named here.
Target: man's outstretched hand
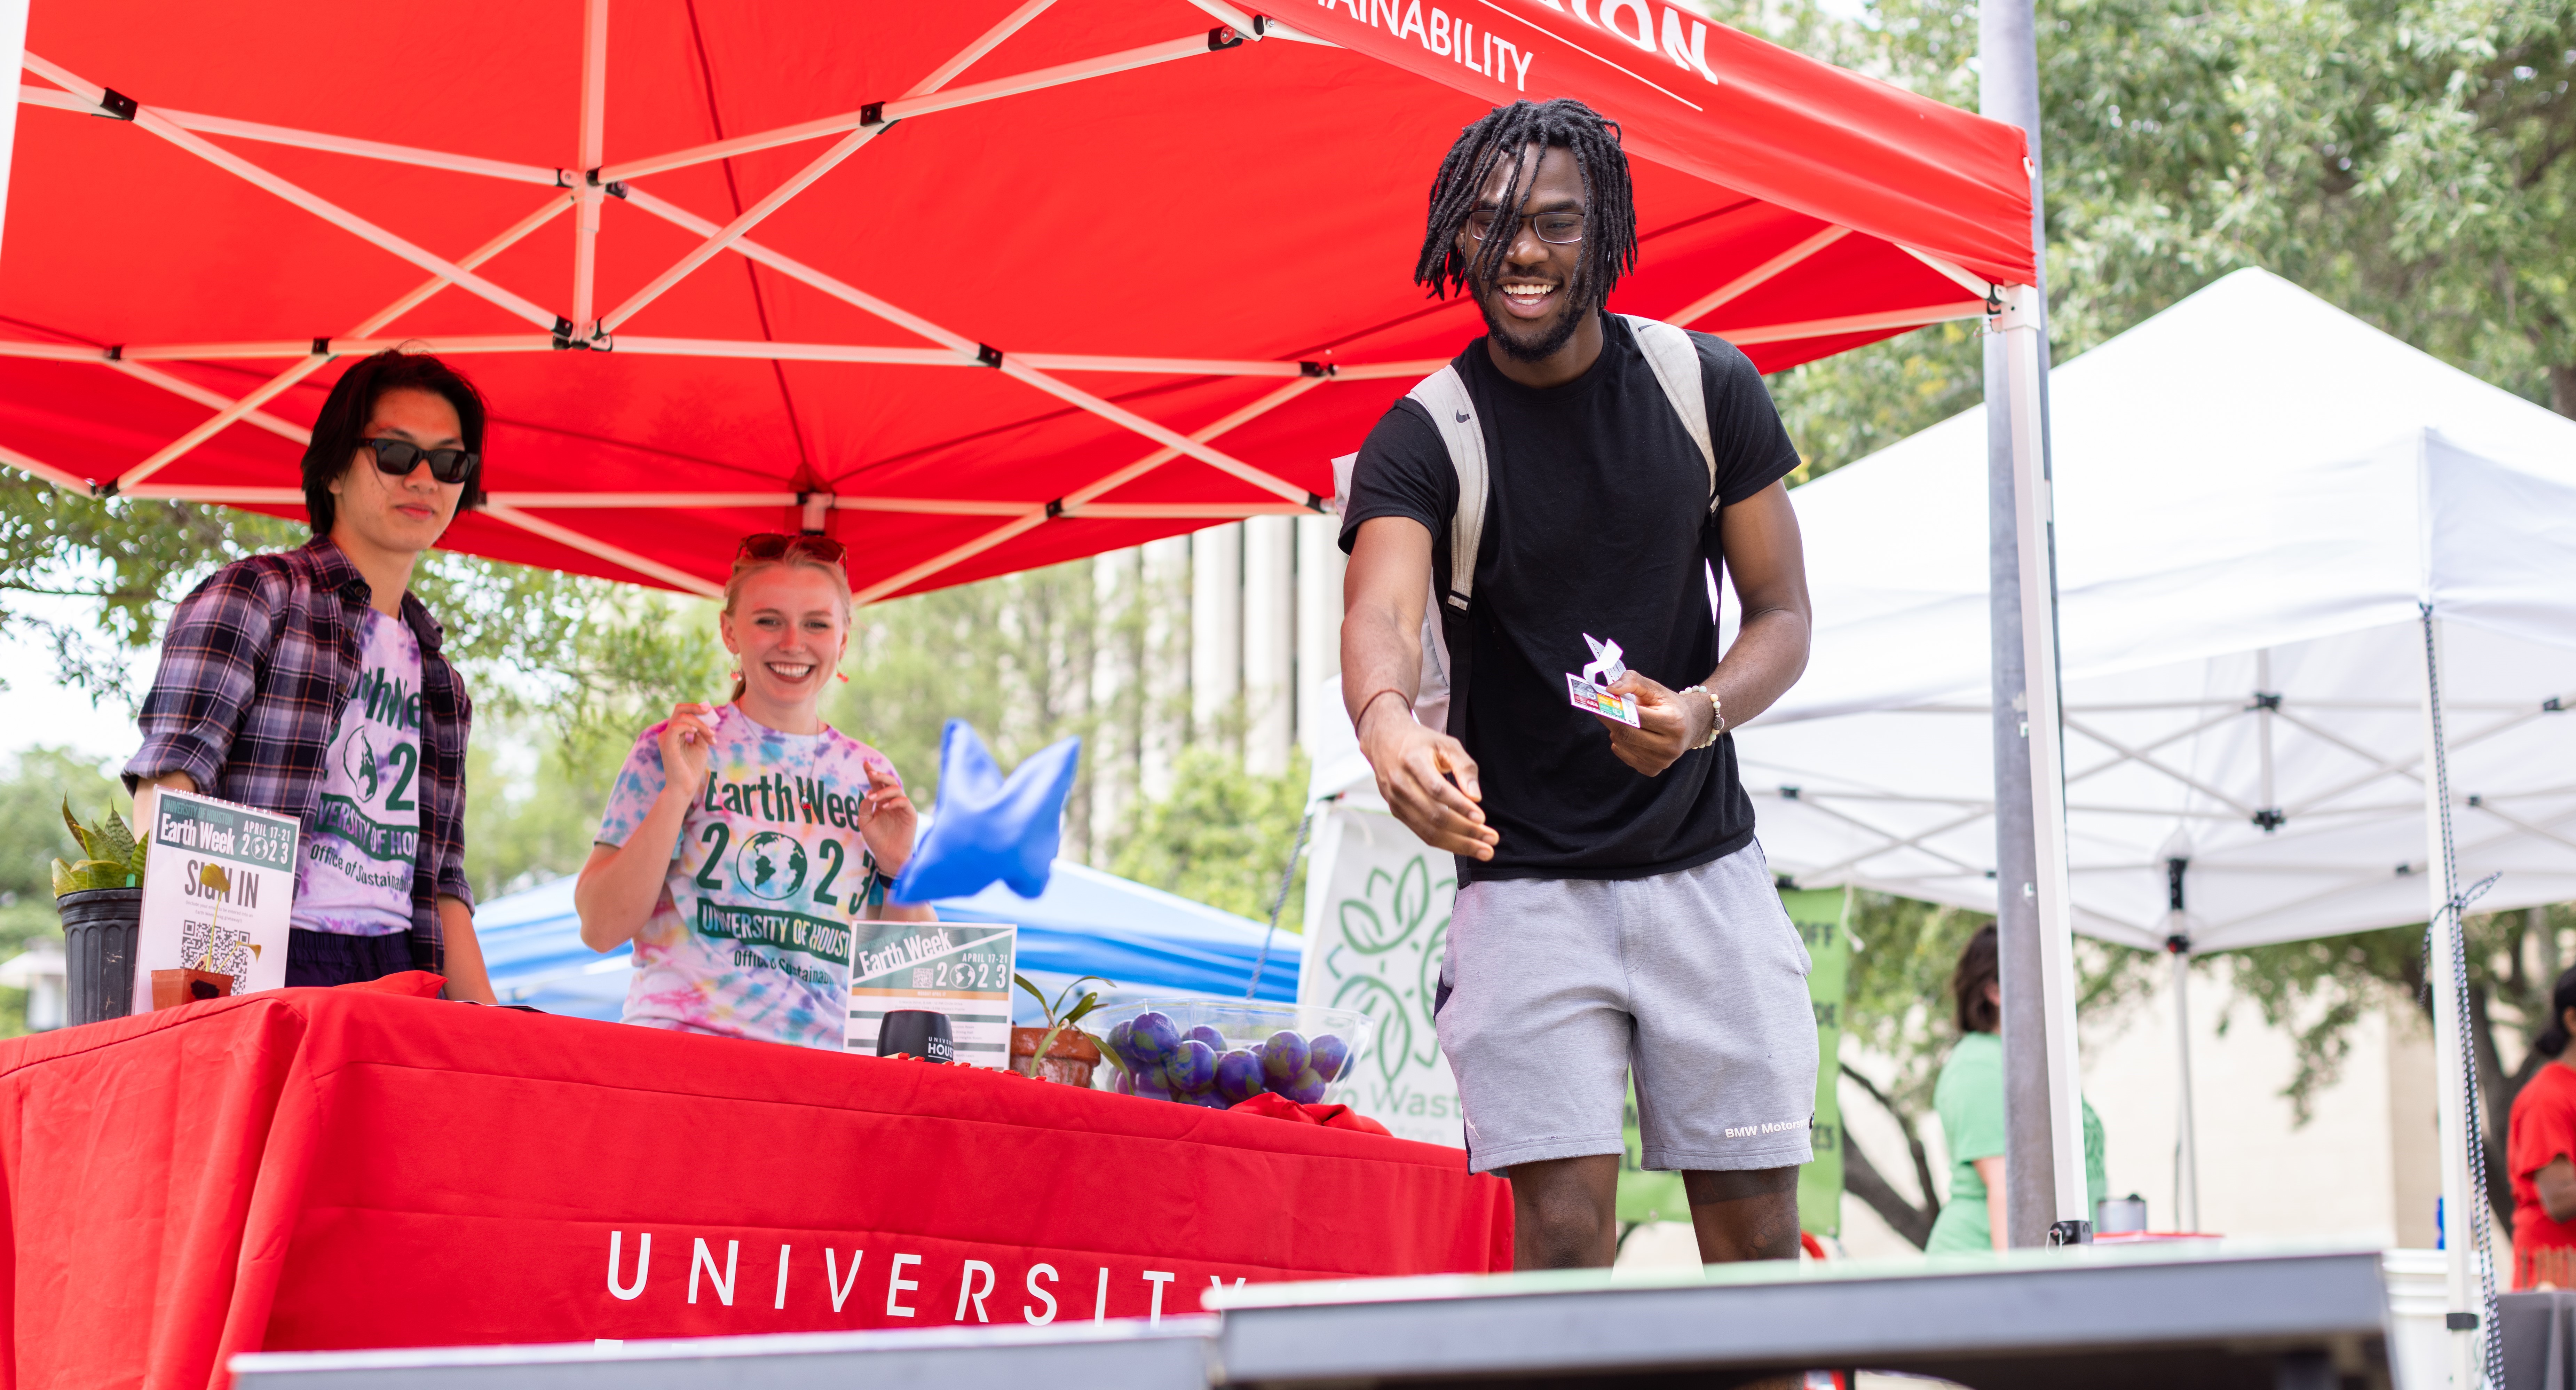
(1670, 724)
(1409, 761)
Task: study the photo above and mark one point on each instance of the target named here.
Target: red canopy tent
(975, 286)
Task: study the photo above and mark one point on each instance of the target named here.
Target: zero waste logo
(771, 865)
(1393, 911)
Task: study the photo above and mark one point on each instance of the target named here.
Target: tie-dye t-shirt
(751, 938)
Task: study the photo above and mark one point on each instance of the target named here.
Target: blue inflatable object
(990, 828)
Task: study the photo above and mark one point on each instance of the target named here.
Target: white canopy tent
(2255, 494)
(2295, 556)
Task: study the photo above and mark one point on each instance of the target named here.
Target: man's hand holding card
(1592, 691)
(1650, 726)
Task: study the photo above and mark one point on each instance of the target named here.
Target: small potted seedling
(1058, 1050)
(101, 902)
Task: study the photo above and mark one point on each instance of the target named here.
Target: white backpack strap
(1453, 413)
(1675, 358)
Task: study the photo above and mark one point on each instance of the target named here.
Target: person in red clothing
(2540, 1144)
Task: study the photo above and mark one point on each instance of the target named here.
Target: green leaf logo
(1375, 998)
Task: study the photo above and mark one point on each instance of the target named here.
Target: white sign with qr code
(218, 892)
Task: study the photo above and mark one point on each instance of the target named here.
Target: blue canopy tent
(1154, 944)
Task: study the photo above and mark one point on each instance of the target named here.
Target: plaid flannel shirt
(256, 669)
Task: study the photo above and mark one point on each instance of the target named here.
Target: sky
(37, 708)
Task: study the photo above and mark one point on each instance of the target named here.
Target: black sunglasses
(398, 457)
(771, 546)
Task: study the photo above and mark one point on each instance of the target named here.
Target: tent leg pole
(2045, 1198)
(2457, 1126)
(2186, 1140)
(2063, 1195)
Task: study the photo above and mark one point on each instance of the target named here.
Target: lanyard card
(1590, 691)
(1593, 699)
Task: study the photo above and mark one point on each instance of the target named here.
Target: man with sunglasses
(310, 683)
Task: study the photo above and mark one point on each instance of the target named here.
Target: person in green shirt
(1969, 1097)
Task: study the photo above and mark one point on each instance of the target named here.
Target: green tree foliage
(129, 559)
(2413, 162)
(582, 654)
(1222, 837)
(32, 835)
(2318, 989)
(564, 670)
(1012, 656)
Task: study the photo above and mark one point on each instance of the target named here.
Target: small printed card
(1590, 691)
(1594, 699)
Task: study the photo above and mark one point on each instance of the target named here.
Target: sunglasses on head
(772, 546)
(398, 457)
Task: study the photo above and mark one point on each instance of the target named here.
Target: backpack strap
(1453, 413)
(1675, 359)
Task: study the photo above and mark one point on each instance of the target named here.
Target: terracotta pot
(1069, 1061)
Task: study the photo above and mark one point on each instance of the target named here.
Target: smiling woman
(741, 841)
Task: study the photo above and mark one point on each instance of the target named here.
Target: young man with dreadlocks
(1614, 911)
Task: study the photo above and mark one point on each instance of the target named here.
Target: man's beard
(1546, 346)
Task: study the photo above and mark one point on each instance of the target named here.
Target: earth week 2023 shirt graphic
(751, 937)
(355, 877)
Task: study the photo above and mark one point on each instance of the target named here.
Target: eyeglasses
(772, 546)
(1554, 228)
(398, 457)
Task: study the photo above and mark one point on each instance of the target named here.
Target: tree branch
(1905, 1215)
(2498, 1092)
(1913, 1137)
(1861, 1179)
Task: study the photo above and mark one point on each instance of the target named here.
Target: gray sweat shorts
(1556, 988)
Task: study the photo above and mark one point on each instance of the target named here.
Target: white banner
(1377, 919)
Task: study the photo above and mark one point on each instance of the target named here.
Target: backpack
(1675, 360)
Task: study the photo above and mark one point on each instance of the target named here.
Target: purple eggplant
(1306, 1088)
(1208, 1034)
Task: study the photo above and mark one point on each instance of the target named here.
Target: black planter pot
(99, 931)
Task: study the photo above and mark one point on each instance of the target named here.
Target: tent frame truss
(587, 188)
(2265, 706)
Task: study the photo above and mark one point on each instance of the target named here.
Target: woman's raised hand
(886, 820)
(686, 742)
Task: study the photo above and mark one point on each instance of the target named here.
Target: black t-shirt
(1597, 522)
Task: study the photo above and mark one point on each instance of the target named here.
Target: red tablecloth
(308, 1169)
